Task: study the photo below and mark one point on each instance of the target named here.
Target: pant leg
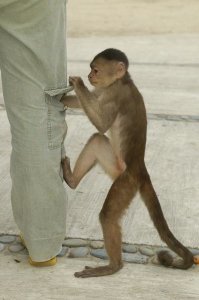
(33, 66)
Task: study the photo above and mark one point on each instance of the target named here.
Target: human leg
(33, 65)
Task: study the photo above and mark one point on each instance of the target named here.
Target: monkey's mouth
(93, 82)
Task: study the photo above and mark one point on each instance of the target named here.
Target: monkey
(116, 108)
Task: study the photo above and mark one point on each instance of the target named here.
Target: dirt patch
(130, 17)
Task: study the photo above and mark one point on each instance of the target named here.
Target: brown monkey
(117, 105)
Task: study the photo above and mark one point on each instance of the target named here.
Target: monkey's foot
(99, 271)
(67, 173)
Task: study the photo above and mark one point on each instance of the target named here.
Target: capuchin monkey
(116, 107)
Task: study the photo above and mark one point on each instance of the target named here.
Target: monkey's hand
(76, 82)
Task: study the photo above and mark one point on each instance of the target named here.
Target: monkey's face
(104, 73)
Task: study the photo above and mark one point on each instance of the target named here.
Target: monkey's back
(133, 123)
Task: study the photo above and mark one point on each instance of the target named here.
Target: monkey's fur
(117, 106)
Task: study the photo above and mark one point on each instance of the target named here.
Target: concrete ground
(137, 282)
(164, 65)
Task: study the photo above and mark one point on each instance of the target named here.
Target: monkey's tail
(153, 205)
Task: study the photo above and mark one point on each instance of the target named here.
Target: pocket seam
(54, 103)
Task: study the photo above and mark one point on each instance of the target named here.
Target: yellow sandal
(49, 263)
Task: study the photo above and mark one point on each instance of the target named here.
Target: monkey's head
(107, 67)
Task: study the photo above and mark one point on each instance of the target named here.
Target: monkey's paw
(76, 81)
(96, 272)
(67, 174)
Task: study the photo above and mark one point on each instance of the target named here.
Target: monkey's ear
(121, 69)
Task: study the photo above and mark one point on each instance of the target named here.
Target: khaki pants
(33, 67)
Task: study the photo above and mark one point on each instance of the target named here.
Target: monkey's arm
(71, 101)
(101, 110)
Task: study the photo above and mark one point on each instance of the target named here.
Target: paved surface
(166, 70)
(119, 18)
(170, 85)
(137, 282)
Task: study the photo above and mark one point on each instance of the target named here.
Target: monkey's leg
(113, 165)
(118, 199)
(86, 160)
(97, 149)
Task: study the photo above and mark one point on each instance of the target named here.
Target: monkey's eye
(95, 71)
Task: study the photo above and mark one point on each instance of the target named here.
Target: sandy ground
(129, 17)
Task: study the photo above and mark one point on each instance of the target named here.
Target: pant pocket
(56, 124)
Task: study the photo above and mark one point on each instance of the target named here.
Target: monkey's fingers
(71, 80)
(67, 174)
(87, 267)
(75, 81)
(86, 274)
(96, 272)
